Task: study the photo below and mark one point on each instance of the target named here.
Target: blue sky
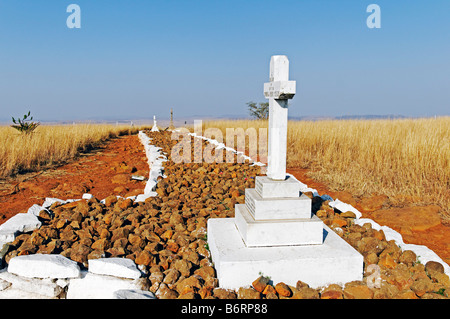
(134, 59)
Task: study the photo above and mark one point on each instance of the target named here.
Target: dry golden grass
(51, 144)
(404, 159)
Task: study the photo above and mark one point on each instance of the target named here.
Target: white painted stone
(49, 201)
(277, 208)
(23, 222)
(35, 210)
(93, 286)
(155, 160)
(276, 157)
(119, 267)
(335, 261)
(87, 196)
(343, 207)
(41, 287)
(280, 90)
(7, 236)
(133, 294)
(43, 266)
(269, 188)
(143, 197)
(4, 284)
(280, 232)
(424, 254)
(15, 293)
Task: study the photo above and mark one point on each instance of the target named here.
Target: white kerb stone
(43, 266)
(278, 91)
(277, 208)
(237, 265)
(25, 288)
(35, 210)
(93, 286)
(280, 232)
(119, 267)
(133, 294)
(269, 188)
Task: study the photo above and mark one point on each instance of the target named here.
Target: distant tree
(25, 125)
(259, 111)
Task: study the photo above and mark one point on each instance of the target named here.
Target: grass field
(404, 159)
(51, 144)
(399, 158)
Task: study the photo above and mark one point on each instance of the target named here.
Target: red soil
(102, 172)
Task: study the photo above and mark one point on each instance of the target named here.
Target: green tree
(259, 111)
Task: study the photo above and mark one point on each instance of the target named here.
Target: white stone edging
(52, 275)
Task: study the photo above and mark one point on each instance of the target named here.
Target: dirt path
(417, 225)
(102, 172)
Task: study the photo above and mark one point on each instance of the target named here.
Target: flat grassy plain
(405, 159)
(51, 144)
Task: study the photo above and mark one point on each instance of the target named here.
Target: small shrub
(25, 125)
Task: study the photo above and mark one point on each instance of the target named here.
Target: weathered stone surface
(408, 257)
(43, 266)
(260, 283)
(283, 289)
(305, 293)
(221, 293)
(119, 267)
(133, 294)
(39, 287)
(434, 266)
(248, 293)
(358, 292)
(93, 286)
(165, 236)
(20, 223)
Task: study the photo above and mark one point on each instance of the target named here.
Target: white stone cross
(155, 127)
(278, 91)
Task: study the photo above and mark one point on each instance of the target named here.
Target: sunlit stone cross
(279, 90)
(155, 127)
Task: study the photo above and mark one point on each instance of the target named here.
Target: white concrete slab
(22, 287)
(93, 286)
(280, 232)
(22, 222)
(119, 267)
(133, 294)
(237, 265)
(269, 188)
(43, 266)
(277, 208)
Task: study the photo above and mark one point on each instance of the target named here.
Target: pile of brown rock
(166, 237)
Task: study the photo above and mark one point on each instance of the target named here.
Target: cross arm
(280, 90)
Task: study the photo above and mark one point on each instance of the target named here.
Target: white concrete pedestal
(280, 232)
(237, 265)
